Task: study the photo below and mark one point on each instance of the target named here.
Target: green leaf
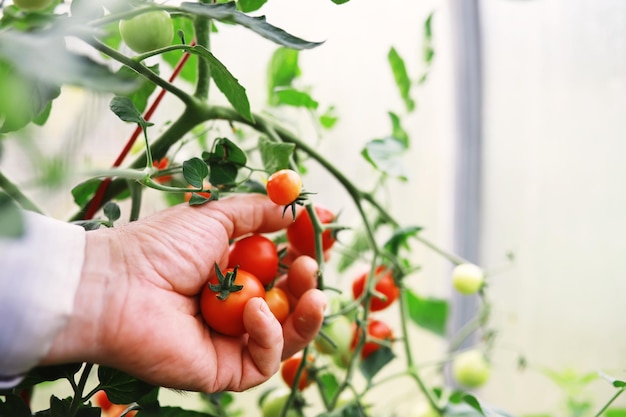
(473, 402)
(84, 411)
(615, 412)
(84, 191)
(183, 25)
(227, 12)
(275, 156)
(428, 313)
(11, 218)
(14, 406)
(428, 50)
(144, 89)
(112, 211)
(60, 407)
(402, 78)
(247, 6)
(340, 1)
(227, 83)
(224, 162)
(125, 109)
(197, 199)
(295, 98)
(329, 385)
(398, 131)
(195, 170)
(399, 239)
(329, 118)
(282, 69)
(49, 373)
(385, 155)
(50, 62)
(120, 387)
(371, 365)
(23, 99)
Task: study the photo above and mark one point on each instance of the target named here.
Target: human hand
(137, 306)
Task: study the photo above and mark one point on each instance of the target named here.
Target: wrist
(80, 340)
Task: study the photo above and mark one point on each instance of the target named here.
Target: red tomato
(278, 303)
(290, 368)
(385, 285)
(301, 236)
(284, 186)
(257, 255)
(226, 316)
(101, 399)
(377, 330)
(162, 164)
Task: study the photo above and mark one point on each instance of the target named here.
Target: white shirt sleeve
(39, 276)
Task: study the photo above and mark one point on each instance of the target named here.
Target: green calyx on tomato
(225, 283)
(147, 31)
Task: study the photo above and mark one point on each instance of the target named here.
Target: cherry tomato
(147, 31)
(274, 402)
(101, 399)
(471, 369)
(278, 302)
(226, 316)
(257, 255)
(290, 367)
(301, 236)
(468, 278)
(162, 164)
(284, 186)
(339, 330)
(377, 330)
(32, 5)
(385, 285)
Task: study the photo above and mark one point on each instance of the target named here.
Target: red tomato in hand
(301, 236)
(385, 285)
(284, 186)
(226, 316)
(257, 255)
(290, 367)
(101, 399)
(377, 330)
(278, 302)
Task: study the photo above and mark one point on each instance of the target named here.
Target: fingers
(302, 275)
(242, 214)
(304, 323)
(265, 344)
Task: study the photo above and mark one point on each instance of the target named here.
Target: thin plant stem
(17, 195)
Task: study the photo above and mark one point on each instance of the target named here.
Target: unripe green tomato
(339, 330)
(471, 369)
(148, 31)
(32, 5)
(272, 405)
(467, 278)
(423, 410)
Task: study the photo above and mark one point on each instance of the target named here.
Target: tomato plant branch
(608, 404)
(78, 393)
(202, 29)
(142, 70)
(17, 195)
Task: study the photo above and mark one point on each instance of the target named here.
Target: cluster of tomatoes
(254, 263)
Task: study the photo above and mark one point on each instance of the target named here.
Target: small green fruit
(468, 278)
(471, 369)
(148, 31)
